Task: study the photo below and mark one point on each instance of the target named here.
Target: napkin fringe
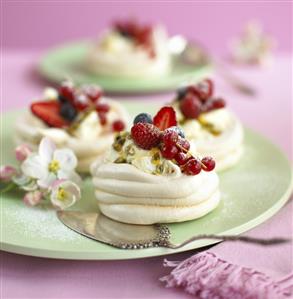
(208, 277)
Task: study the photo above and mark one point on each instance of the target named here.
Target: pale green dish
(68, 61)
(252, 192)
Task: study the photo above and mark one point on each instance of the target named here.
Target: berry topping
(118, 125)
(140, 34)
(145, 135)
(49, 113)
(80, 101)
(61, 98)
(143, 118)
(181, 92)
(191, 106)
(192, 167)
(209, 163)
(73, 106)
(102, 107)
(218, 103)
(169, 151)
(178, 130)
(165, 118)
(181, 158)
(205, 89)
(93, 92)
(183, 144)
(67, 111)
(103, 118)
(66, 90)
(197, 99)
(169, 137)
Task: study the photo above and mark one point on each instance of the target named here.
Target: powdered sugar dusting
(38, 223)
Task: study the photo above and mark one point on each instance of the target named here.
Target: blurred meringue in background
(130, 49)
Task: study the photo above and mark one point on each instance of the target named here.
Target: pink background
(32, 24)
(29, 27)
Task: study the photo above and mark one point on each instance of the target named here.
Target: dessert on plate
(79, 118)
(208, 124)
(130, 49)
(152, 175)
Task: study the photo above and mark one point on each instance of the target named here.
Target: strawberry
(145, 135)
(49, 112)
(165, 118)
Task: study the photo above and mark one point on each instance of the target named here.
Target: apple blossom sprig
(48, 174)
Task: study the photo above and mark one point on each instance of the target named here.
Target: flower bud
(22, 152)
(33, 198)
(6, 173)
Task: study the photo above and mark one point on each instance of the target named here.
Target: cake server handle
(246, 239)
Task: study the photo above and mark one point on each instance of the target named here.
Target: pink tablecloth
(269, 113)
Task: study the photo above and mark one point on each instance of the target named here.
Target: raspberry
(169, 152)
(145, 135)
(190, 106)
(209, 163)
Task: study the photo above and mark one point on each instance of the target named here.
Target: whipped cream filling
(126, 193)
(89, 141)
(225, 145)
(116, 55)
(148, 161)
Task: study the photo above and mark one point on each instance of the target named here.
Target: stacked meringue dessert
(129, 49)
(209, 125)
(153, 175)
(79, 118)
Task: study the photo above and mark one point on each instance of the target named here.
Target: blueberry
(178, 130)
(61, 98)
(143, 118)
(67, 111)
(181, 92)
(125, 33)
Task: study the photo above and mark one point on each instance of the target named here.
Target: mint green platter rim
(267, 184)
(66, 61)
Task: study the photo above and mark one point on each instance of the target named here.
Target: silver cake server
(98, 227)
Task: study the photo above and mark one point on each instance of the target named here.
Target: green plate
(67, 60)
(251, 193)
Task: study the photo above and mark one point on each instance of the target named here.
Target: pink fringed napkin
(238, 270)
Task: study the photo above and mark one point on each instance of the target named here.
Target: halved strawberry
(49, 113)
(165, 118)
